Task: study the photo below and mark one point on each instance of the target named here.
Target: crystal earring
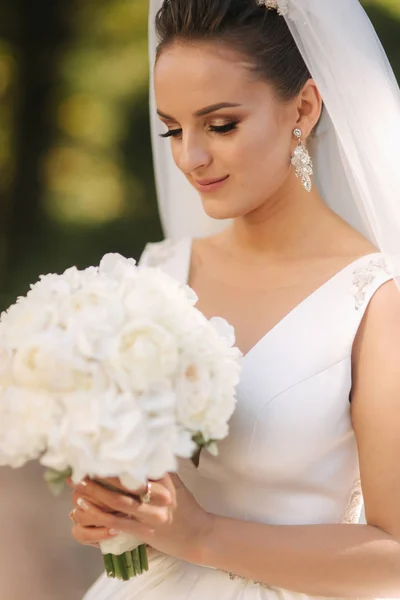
(301, 160)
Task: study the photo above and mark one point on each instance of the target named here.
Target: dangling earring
(301, 160)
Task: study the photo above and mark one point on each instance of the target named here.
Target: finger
(113, 522)
(160, 495)
(69, 481)
(161, 492)
(86, 518)
(152, 516)
(72, 515)
(147, 514)
(92, 535)
(116, 485)
(172, 482)
(78, 494)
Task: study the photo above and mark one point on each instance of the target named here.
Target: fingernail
(114, 532)
(82, 504)
(83, 483)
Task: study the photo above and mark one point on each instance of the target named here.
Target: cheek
(261, 149)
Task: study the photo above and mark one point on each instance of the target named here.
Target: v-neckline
(295, 308)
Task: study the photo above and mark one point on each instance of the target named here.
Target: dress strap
(171, 256)
(367, 278)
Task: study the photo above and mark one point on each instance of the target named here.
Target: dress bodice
(291, 455)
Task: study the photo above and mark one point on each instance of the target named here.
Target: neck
(291, 222)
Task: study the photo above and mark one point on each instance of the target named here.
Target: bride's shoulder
(351, 242)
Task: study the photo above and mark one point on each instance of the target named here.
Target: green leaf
(55, 480)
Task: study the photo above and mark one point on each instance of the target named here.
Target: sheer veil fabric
(180, 207)
(355, 145)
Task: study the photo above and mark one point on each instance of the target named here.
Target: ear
(309, 107)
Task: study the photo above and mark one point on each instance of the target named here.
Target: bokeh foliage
(75, 159)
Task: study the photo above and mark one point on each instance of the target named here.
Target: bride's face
(230, 134)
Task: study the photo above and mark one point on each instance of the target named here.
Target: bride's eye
(171, 133)
(221, 129)
(224, 128)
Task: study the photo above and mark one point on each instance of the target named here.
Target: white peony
(26, 419)
(99, 435)
(151, 348)
(206, 386)
(117, 266)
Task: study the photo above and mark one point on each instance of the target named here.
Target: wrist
(202, 542)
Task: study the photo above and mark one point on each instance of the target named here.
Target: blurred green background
(76, 181)
(75, 159)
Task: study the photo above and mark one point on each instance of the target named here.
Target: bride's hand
(172, 522)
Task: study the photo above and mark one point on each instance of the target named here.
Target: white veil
(355, 148)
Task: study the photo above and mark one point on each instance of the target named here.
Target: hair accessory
(281, 6)
(301, 160)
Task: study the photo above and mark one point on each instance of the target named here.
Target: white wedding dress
(291, 455)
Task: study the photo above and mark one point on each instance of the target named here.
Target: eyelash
(220, 129)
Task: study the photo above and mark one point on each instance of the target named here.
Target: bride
(280, 203)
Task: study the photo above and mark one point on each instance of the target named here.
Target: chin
(220, 210)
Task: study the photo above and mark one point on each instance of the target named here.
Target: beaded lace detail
(232, 576)
(353, 511)
(364, 276)
(159, 253)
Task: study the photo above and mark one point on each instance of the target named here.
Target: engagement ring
(145, 498)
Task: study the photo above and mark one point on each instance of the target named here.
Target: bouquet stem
(143, 557)
(109, 565)
(127, 565)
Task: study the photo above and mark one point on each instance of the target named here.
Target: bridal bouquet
(112, 372)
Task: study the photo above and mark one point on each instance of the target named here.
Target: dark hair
(258, 33)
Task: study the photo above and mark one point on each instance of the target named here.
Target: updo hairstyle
(261, 35)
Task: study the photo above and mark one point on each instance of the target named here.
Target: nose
(191, 154)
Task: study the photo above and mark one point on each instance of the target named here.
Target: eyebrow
(203, 111)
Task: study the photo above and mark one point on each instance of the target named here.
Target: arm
(340, 560)
(322, 560)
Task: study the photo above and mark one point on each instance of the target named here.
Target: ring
(72, 516)
(145, 498)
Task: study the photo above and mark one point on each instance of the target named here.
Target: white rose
(170, 440)
(6, 376)
(99, 435)
(26, 419)
(224, 329)
(34, 362)
(23, 320)
(51, 362)
(194, 391)
(208, 375)
(116, 265)
(142, 356)
(94, 304)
